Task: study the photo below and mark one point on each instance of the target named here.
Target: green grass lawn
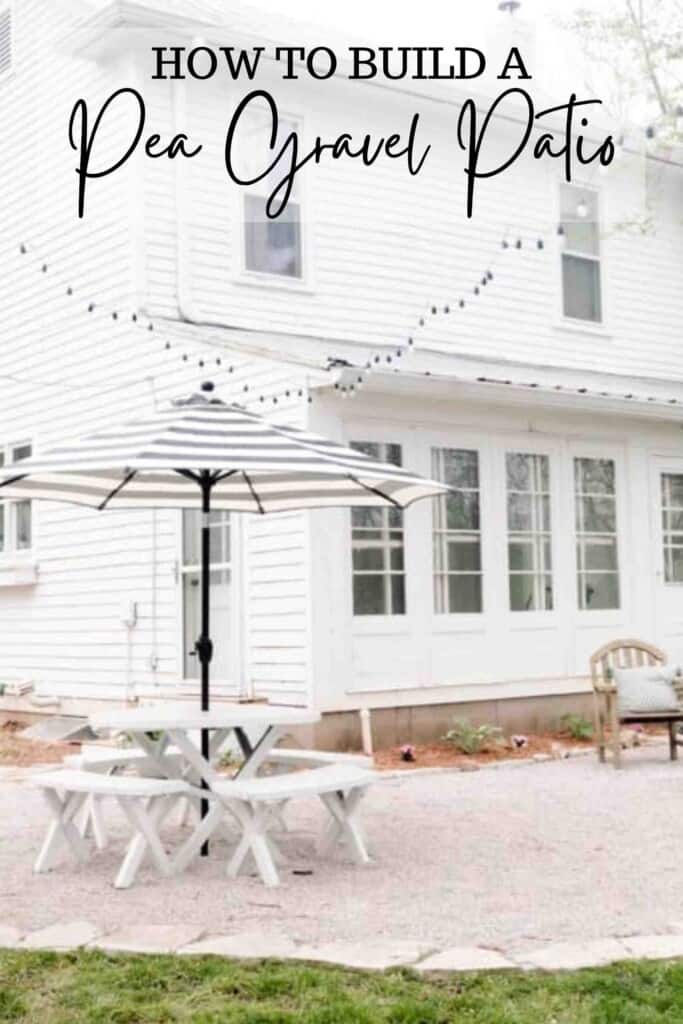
(47, 988)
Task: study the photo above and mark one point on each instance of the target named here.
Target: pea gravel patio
(510, 858)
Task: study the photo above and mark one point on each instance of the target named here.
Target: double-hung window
(530, 569)
(16, 534)
(457, 533)
(581, 276)
(596, 534)
(271, 246)
(377, 548)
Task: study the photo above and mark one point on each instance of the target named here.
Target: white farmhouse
(552, 400)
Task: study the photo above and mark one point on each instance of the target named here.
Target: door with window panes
(667, 494)
(225, 663)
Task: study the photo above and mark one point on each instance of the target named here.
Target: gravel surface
(507, 858)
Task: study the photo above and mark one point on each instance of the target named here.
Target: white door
(667, 496)
(225, 663)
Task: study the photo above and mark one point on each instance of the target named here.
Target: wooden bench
(256, 801)
(625, 654)
(144, 802)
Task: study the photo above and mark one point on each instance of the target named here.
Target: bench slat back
(623, 654)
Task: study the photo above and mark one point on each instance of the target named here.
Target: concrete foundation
(392, 727)
(427, 723)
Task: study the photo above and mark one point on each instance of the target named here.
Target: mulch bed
(443, 755)
(16, 751)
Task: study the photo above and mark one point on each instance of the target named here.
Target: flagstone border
(379, 955)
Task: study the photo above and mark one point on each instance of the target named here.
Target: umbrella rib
(375, 490)
(13, 480)
(253, 493)
(119, 487)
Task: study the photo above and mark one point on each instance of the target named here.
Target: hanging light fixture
(582, 209)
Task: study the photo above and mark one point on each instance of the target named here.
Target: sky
(443, 23)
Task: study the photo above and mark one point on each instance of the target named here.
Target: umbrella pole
(204, 645)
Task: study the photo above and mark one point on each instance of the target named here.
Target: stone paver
(370, 956)
(9, 936)
(251, 945)
(466, 958)
(654, 947)
(152, 938)
(62, 936)
(569, 956)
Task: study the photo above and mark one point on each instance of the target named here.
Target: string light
(371, 362)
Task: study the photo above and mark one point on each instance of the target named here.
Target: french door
(667, 493)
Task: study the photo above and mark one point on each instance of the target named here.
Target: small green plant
(472, 739)
(578, 727)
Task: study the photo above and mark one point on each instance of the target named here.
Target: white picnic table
(174, 764)
(155, 727)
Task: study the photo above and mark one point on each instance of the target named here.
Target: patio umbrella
(203, 453)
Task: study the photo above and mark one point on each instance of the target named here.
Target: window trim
(262, 279)
(387, 573)
(582, 535)
(12, 555)
(576, 324)
(471, 616)
(607, 617)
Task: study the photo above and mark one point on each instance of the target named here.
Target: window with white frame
(597, 553)
(272, 246)
(529, 532)
(377, 548)
(16, 533)
(457, 533)
(581, 275)
(220, 584)
(6, 42)
(672, 526)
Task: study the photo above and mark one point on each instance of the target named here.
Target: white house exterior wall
(422, 657)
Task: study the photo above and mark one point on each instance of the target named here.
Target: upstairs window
(457, 533)
(581, 285)
(16, 531)
(377, 548)
(270, 246)
(529, 532)
(5, 38)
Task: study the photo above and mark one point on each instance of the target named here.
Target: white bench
(291, 756)
(110, 760)
(254, 802)
(144, 801)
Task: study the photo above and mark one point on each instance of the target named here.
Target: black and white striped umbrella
(202, 453)
(251, 464)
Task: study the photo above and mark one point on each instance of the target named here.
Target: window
(5, 38)
(377, 548)
(581, 288)
(15, 516)
(457, 533)
(271, 246)
(597, 556)
(220, 579)
(672, 526)
(529, 532)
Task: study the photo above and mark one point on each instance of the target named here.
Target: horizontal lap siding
(275, 592)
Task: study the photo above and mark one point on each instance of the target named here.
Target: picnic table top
(162, 718)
